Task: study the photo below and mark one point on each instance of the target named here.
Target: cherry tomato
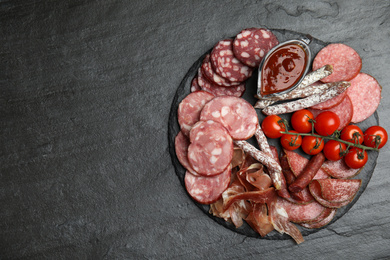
(356, 158)
(291, 142)
(375, 136)
(326, 123)
(300, 121)
(312, 145)
(333, 150)
(352, 133)
(272, 125)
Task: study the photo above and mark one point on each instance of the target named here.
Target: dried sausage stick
(266, 160)
(303, 90)
(308, 173)
(262, 141)
(312, 100)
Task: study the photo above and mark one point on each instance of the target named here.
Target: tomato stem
(332, 137)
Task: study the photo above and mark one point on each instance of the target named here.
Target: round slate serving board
(251, 86)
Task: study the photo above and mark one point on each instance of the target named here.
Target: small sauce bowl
(284, 67)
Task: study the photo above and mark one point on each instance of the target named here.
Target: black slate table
(86, 90)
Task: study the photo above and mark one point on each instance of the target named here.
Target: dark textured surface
(86, 90)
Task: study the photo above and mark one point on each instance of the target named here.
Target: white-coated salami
(211, 148)
(365, 94)
(226, 64)
(189, 109)
(236, 114)
(251, 45)
(207, 190)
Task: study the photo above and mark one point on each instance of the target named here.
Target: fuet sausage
(307, 175)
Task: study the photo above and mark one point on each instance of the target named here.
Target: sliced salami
(216, 90)
(365, 94)
(236, 114)
(194, 84)
(315, 190)
(226, 64)
(251, 45)
(189, 109)
(331, 102)
(207, 190)
(181, 147)
(338, 169)
(327, 216)
(301, 212)
(344, 110)
(212, 76)
(211, 148)
(346, 62)
(339, 190)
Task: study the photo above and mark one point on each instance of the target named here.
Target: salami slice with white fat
(194, 85)
(301, 212)
(211, 148)
(211, 75)
(339, 169)
(346, 62)
(189, 109)
(251, 45)
(216, 90)
(181, 148)
(365, 94)
(236, 114)
(207, 190)
(226, 64)
(344, 110)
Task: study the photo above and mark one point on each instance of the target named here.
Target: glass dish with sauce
(283, 68)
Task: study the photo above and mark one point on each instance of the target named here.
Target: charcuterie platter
(247, 89)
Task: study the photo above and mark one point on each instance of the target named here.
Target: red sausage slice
(181, 148)
(338, 169)
(211, 148)
(331, 102)
(189, 109)
(346, 62)
(226, 64)
(251, 45)
(236, 114)
(207, 190)
(212, 76)
(301, 212)
(365, 94)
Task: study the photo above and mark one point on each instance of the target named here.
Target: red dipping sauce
(283, 69)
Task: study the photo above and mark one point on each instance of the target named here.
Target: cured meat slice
(339, 190)
(236, 114)
(338, 169)
(226, 64)
(216, 90)
(323, 220)
(189, 109)
(212, 76)
(181, 148)
(306, 88)
(331, 102)
(211, 148)
(346, 62)
(301, 213)
(282, 192)
(259, 219)
(344, 110)
(365, 94)
(279, 220)
(207, 190)
(194, 85)
(251, 45)
(306, 102)
(308, 173)
(259, 196)
(316, 191)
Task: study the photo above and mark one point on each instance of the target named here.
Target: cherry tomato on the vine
(312, 145)
(300, 121)
(356, 158)
(333, 150)
(326, 123)
(272, 125)
(375, 136)
(291, 142)
(352, 133)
